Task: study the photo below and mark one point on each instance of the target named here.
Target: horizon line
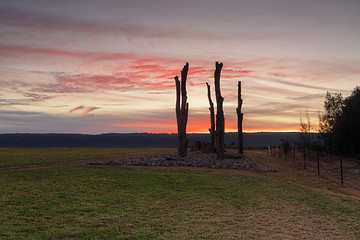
(169, 133)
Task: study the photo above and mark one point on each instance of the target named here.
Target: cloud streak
(9, 17)
(84, 110)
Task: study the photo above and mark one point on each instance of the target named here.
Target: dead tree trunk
(220, 120)
(240, 116)
(182, 111)
(212, 119)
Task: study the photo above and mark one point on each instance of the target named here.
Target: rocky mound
(193, 159)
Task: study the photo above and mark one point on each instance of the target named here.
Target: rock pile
(193, 159)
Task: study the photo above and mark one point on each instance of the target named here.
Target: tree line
(339, 126)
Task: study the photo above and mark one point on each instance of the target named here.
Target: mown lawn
(117, 202)
(11, 157)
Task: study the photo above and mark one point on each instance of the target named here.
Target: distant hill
(134, 140)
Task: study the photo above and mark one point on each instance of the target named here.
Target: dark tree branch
(212, 119)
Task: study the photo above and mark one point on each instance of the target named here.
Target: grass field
(79, 201)
(15, 157)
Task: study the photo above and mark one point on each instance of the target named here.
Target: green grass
(116, 202)
(10, 157)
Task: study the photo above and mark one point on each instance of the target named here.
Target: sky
(109, 66)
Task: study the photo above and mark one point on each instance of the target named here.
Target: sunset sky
(108, 66)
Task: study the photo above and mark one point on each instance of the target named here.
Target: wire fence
(345, 171)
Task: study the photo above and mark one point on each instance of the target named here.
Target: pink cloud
(196, 84)
(89, 110)
(128, 71)
(76, 109)
(84, 110)
(156, 93)
(125, 79)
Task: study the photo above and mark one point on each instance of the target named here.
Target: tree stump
(220, 119)
(240, 117)
(182, 111)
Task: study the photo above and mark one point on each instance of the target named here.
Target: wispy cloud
(31, 98)
(309, 97)
(9, 102)
(84, 110)
(89, 110)
(302, 85)
(15, 50)
(145, 77)
(37, 97)
(9, 17)
(76, 109)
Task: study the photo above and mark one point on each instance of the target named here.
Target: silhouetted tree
(285, 146)
(333, 109)
(220, 119)
(346, 128)
(339, 125)
(182, 111)
(212, 119)
(305, 130)
(240, 116)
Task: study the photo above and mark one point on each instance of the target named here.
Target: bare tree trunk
(306, 130)
(182, 111)
(212, 120)
(240, 116)
(220, 119)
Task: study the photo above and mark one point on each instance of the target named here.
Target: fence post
(318, 161)
(341, 169)
(279, 152)
(294, 155)
(304, 159)
(273, 151)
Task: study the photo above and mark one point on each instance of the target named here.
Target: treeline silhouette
(134, 140)
(340, 124)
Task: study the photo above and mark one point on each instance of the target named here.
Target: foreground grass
(105, 202)
(14, 157)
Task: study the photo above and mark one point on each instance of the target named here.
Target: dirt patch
(194, 159)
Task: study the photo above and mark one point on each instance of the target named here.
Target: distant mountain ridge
(134, 140)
